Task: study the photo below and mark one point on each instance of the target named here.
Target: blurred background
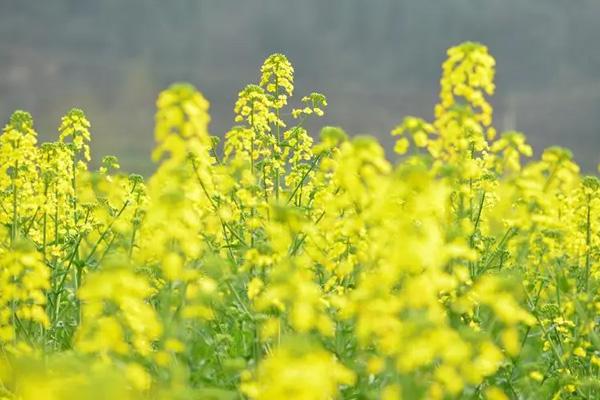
(376, 60)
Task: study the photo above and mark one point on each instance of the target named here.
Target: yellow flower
(579, 352)
(254, 287)
(138, 377)
(536, 376)
(494, 393)
(298, 373)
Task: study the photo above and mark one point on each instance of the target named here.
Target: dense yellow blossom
(300, 373)
(282, 264)
(24, 280)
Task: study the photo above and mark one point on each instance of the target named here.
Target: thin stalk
(252, 139)
(106, 230)
(59, 288)
(31, 222)
(500, 246)
(588, 242)
(214, 205)
(74, 184)
(56, 216)
(278, 136)
(14, 225)
(253, 210)
(132, 238)
(312, 166)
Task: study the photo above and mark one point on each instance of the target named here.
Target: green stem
(45, 221)
(278, 137)
(214, 206)
(74, 184)
(60, 287)
(106, 230)
(15, 203)
(588, 242)
(312, 166)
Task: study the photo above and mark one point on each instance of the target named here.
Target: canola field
(271, 265)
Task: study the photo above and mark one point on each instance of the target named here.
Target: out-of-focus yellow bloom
(494, 393)
(24, 280)
(116, 316)
(297, 373)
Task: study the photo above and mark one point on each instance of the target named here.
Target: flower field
(273, 265)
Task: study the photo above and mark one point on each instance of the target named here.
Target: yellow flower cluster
(75, 125)
(24, 280)
(181, 122)
(277, 77)
(281, 266)
(116, 317)
(300, 372)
